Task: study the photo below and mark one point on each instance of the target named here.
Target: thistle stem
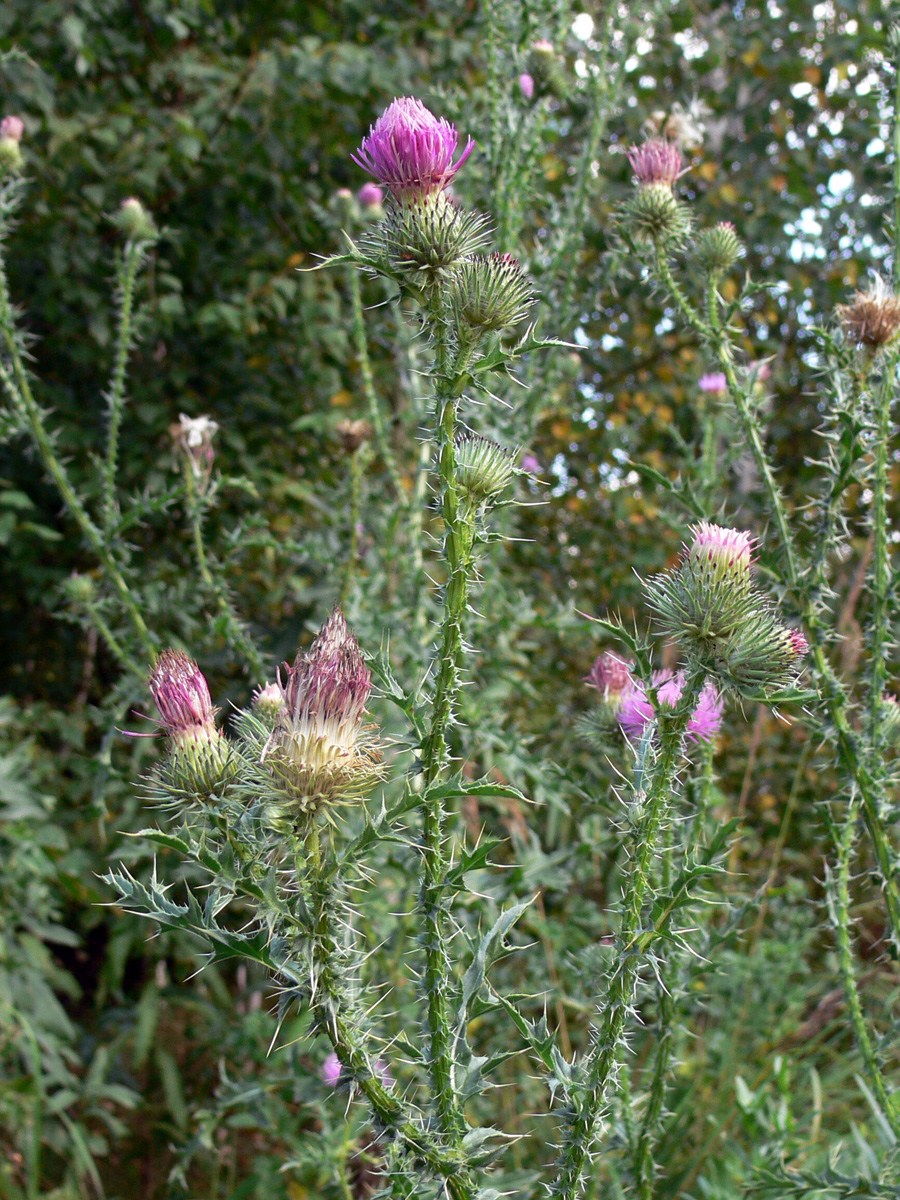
(458, 540)
(131, 260)
(599, 1067)
(353, 550)
(839, 905)
(880, 567)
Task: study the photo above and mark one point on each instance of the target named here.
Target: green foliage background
(234, 123)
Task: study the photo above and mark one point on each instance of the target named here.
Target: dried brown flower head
(873, 317)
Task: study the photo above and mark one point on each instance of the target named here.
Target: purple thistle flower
(330, 1072)
(410, 150)
(636, 710)
(714, 382)
(724, 547)
(610, 675)
(181, 694)
(12, 127)
(370, 195)
(655, 161)
(799, 644)
(526, 85)
(531, 464)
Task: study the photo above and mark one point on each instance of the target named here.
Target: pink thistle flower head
(12, 127)
(531, 464)
(319, 750)
(370, 195)
(799, 644)
(637, 711)
(410, 151)
(526, 85)
(728, 548)
(656, 161)
(713, 382)
(331, 1070)
(610, 675)
(181, 694)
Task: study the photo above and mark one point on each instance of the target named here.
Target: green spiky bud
(760, 654)
(490, 293)
(890, 716)
(428, 233)
(134, 222)
(80, 589)
(200, 760)
(719, 248)
(11, 158)
(483, 468)
(268, 703)
(654, 214)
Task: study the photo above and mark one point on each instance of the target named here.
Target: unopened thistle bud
(410, 151)
(11, 130)
(268, 702)
(490, 293)
(320, 752)
(890, 717)
(426, 234)
(872, 319)
(711, 606)
(483, 468)
(353, 434)
(719, 248)
(636, 710)
(654, 214)
(81, 589)
(526, 85)
(545, 67)
(371, 199)
(200, 758)
(134, 221)
(711, 592)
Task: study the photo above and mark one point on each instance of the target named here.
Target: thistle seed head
(872, 319)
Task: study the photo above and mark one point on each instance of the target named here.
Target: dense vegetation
(130, 1064)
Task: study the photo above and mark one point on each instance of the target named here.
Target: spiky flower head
(656, 161)
(320, 753)
(200, 758)
(332, 1070)
(728, 550)
(193, 438)
(610, 675)
(489, 293)
(11, 130)
(483, 468)
(526, 85)
(872, 319)
(719, 248)
(410, 151)
(636, 710)
(134, 221)
(654, 214)
(714, 384)
(428, 233)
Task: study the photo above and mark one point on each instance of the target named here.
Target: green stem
(132, 256)
(879, 621)
(353, 551)
(374, 407)
(118, 651)
(630, 946)
(235, 635)
(839, 904)
(458, 539)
